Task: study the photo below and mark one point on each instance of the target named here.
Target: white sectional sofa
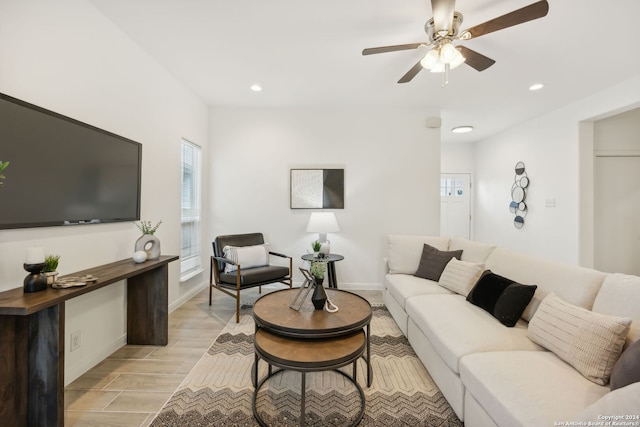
(494, 375)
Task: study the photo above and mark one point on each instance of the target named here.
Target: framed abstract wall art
(317, 189)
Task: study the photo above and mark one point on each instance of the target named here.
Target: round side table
(330, 259)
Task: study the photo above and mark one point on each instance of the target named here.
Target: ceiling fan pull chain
(445, 75)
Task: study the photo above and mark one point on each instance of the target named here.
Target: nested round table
(311, 340)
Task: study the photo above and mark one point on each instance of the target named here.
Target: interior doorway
(616, 213)
(455, 204)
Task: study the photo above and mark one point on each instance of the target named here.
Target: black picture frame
(316, 189)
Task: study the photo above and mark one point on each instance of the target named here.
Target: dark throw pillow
(627, 369)
(503, 298)
(433, 262)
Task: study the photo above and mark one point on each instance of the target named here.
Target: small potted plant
(316, 248)
(50, 268)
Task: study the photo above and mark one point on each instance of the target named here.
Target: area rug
(218, 390)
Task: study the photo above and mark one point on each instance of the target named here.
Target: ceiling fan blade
(475, 60)
(443, 15)
(525, 14)
(383, 49)
(411, 73)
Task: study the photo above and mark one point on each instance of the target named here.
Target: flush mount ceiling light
(462, 129)
(536, 86)
(256, 87)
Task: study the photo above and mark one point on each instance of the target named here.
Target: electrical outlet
(75, 341)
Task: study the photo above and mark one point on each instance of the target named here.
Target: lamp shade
(323, 222)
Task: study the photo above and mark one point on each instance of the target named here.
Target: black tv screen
(63, 171)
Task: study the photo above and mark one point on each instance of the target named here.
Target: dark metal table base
(271, 373)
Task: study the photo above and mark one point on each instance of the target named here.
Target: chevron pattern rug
(218, 390)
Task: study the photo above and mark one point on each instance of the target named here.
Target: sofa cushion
(590, 342)
(433, 261)
(627, 369)
(405, 251)
(471, 251)
(621, 402)
(403, 286)
(460, 276)
(619, 296)
(524, 388)
(246, 256)
(501, 297)
(456, 328)
(549, 276)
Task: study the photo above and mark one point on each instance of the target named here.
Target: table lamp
(323, 223)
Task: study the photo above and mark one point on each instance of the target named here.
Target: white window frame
(190, 263)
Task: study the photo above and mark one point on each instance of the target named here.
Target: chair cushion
(433, 261)
(246, 256)
(590, 342)
(255, 276)
(460, 276)
(525, 388)
(627, 369)
(403, 286)
(456, 328)
(405, 251)
(501, 297)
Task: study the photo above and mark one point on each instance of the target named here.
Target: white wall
(66, 57)
(557, 149)
(392, 169)
(458, 158)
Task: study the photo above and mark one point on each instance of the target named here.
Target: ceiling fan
(443, 29)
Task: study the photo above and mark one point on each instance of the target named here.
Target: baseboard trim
(75, 371)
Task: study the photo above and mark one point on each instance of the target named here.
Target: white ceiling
(308, 53)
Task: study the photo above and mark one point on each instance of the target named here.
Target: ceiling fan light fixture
(457, 60)
(256, 87)
(448, 53)
(431, 59)
(536, 86)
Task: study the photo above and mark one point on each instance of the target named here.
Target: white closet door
(617, 214)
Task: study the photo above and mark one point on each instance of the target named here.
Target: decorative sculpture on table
(148, 242)
(319, 297)
(518, 195)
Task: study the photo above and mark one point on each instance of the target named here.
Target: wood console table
(32, 336)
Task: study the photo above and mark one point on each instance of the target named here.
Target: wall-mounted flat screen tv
(63, 171)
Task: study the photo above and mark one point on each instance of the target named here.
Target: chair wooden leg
(238, 306)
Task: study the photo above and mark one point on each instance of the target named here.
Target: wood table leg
(148, 308)
(46, 367)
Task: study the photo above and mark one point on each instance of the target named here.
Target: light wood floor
(130, 386)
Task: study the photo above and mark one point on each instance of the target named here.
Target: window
(451, 187)
(190, 210)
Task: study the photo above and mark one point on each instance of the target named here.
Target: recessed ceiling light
(462, 129)
(256, 87)
(536, 86)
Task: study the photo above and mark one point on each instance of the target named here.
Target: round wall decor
(518, 195)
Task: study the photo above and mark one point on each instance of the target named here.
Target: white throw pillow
(460, 276)
(590, 342)
(246, 256)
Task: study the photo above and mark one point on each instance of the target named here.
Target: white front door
(616, 213)
(455, 204)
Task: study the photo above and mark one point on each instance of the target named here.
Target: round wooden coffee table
(311, 340)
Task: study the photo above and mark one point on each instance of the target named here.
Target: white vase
(324, 249)
(150, 244)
